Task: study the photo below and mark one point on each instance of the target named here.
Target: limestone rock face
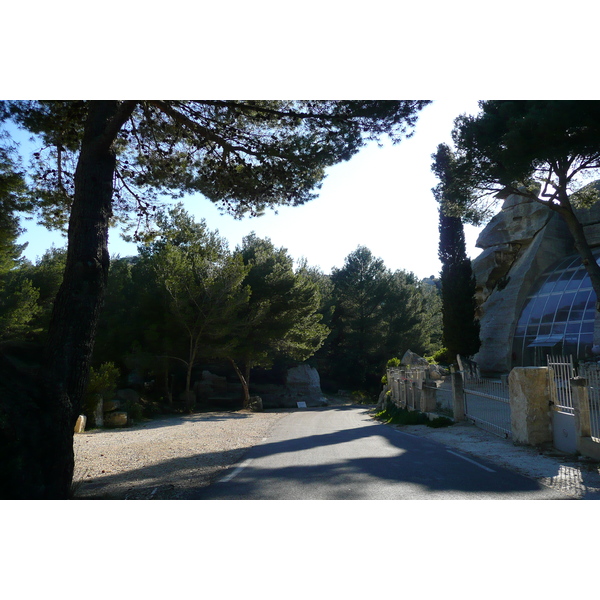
(518, 222)
(519, 244)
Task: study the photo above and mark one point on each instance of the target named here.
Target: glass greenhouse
(557, 317)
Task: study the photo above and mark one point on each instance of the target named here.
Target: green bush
(393, 362)
(443, 356)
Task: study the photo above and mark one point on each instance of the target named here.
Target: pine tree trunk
(581, 244)
(244, 381)
(78, 303)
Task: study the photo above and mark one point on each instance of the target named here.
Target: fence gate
(592, 373)
(487, 401)
(563, 414)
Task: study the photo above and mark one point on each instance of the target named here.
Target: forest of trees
(186, 301)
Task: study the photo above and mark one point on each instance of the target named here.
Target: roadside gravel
(166, 457)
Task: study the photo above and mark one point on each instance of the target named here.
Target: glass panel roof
(557, 316)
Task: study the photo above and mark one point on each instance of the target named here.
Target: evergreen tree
(18, 296)
(282, 316)
(460, 328)
(378, 315)
(204, 288)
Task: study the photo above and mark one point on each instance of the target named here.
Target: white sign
(301, 404)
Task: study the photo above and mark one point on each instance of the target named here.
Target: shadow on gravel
(178, 476)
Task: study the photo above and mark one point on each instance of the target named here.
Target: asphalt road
(342, 453)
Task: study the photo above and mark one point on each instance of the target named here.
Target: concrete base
(588, 447)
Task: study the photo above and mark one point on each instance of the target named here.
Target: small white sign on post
(301, 404)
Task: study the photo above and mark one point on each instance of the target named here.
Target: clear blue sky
(380, 199)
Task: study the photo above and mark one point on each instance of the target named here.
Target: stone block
(530, 413)
(80, 424)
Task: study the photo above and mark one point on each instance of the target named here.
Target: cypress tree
(460, 333)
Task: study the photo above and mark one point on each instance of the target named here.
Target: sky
(381, 198)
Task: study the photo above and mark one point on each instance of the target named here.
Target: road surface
(342, 453)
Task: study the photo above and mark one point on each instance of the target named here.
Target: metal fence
(560, 388)
(487, 404)
(592, 374)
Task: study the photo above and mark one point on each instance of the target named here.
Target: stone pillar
(458, 396)
(80, 424)
(428, 396)
(99, 411)
(583, 431)
(530, 413)
(581, 406)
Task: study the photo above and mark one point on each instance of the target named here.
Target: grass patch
(395, 415)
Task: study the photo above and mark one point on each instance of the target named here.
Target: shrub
(393, 362)
(443, 356)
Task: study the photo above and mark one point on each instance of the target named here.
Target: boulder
(303, 383)
(116, 418)
(303, 380)
(255, 404)
(410, 359)
(111, 405)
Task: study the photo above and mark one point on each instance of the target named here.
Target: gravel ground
(165, 457)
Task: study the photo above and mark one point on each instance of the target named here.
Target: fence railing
(560, 388)
(487, 404)
(592, 374)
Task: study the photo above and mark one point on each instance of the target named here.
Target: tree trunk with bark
(244, 380)
(79, 301)
(40, 415)
(582, 246)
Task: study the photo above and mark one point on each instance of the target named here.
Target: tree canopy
(243, 155)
